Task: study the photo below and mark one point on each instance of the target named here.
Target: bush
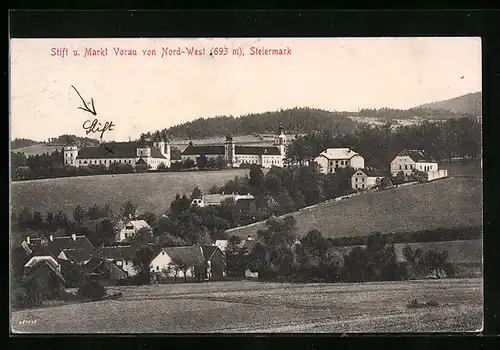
(92, 290)
(415, 304)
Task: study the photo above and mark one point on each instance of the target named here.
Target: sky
(145, 93)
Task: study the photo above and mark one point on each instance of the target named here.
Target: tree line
(279, 255)
(296, 120)
(380, 144)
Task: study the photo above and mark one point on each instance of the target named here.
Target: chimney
(51, 238)
(28, 239)
(73, 236)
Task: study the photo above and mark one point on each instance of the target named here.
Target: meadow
(258, 307)
(152, 192)
(445, 203)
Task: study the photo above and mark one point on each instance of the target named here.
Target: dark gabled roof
(92, 264)
(126, 252)
(208, 251)
(371, 172)
(189, 255)
(418, 156)
(192, 150)
(141, 161)
(54, 247)
(77, 256)
(115, 150)
(256, 150)
(41, 264)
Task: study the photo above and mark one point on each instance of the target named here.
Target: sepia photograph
(246, 185)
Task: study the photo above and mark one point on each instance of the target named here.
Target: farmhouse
(122, 256)
(43, 275)
(71, 248)
(104, 271)
(186, 261)
(332, 158)
(130, 229)
(233, 155)
(148, 155)
(190, 262)
(217, 199)
(364, 179)
(407, 161)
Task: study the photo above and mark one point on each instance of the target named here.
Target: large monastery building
(142, 153)
(234, 155)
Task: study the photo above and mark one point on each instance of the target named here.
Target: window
(400, 167)
(363, 186)
(356, 179)
(356, 185)
(126, 262)
(129, 227)
(162, 253)
(405, 167)
(157, 268)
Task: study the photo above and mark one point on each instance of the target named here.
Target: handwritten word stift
(92, 126)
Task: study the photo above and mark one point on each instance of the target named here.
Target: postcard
(246, 185)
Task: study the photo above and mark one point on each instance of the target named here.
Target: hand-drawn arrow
(86, 109)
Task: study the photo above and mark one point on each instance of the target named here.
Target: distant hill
(296, 120)
(30, 147)
(470, 104)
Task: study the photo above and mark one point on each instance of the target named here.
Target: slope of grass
(239, 307)
(446, 203)
(38, 149)
(470, 103)
(151, 192)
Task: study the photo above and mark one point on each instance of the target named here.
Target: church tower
(229, 151)
(143, 149)
(280, 140)
(70, 153)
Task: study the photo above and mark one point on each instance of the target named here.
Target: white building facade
(235, 155)
(361, 181)
(143, 153)
(333, 158)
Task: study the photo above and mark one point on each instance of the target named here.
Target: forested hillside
(469, 104)
(296, 120)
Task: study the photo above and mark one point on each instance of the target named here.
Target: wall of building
(357, 162)
(402, 163)
(161, 262)
(127, 266)
(323, 164)
(438, 174)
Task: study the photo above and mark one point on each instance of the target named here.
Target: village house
(364, 179)
(235, 156)
(148, 155)
(217, 199)
(121, 255)
(332, 158)
(43, 275)
(190, 262)
(104, 271)
(130, 229)
(75, 248)
(407, 161)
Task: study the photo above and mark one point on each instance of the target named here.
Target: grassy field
(254, 307)
(151, 192)
(451, 202)
(38, 149)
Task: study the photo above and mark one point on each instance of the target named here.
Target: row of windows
(104, 161)
(342, 162)
(362, 179)
(410, 167)
(362, 186)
